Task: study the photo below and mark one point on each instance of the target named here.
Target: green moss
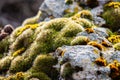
(44, 63)
(17, 64)
(38, 75)
(4, 45)
(71, 29)
(80, 40)
(112, 21)
(68, 2)
(67, 70)
(112, 5)
(84, 14)
(5, 63)
(117, 46)
(83, 22)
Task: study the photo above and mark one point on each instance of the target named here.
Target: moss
(117, 46)
(84, 14)
(112, 5)
(114, 39)
(113, 21)
(44, 63)
(71, 29)
(68, 2)
(18, 52)
(24, 40)
(38, 75)
(4, 45)
(17, 64)
(80, 40)
(5, 63)
(66, 70)
(83, 22)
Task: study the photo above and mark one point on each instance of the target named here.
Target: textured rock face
(82, 60)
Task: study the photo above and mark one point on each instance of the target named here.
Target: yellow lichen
(101, 61)
(115, 70)
(114, 39)
(95, 44)
(31, 26)
(113, 5)
(16, 53)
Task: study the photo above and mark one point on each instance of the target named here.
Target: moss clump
(17, 64)
(66, 70)
(117, 46)
(18, 52)
(112, 5)
(83, 22)
(80, 40)
(4, 45)
(44, 63)
(5, 63)
(113, 21)
(115, 70)
(68, 2)
(24, 40)
(38, 75)
(84, 14)
(114, 39)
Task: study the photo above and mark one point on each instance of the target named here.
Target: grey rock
(83, 56)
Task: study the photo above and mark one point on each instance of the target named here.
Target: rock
(83, 57)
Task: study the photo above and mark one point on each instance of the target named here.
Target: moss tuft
(44, 63)
(5, 63)
(80, 40)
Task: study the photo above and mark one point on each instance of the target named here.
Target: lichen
(114, 39)
(117, 46)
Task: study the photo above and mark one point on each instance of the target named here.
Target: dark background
(14, 12)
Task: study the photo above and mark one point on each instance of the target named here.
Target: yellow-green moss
(112, 5)
(117, 46)
(66, 70)
(17, 64)
(84, 14)
(38, 75)
(112, 21)
(114, 39)
(4, 45)
(5, 63)
(68, 2)
(80, 40)
(83, 22)
(44, 63)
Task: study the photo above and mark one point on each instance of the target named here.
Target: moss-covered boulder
(112, 15)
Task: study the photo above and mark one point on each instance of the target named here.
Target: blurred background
(15, 11)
